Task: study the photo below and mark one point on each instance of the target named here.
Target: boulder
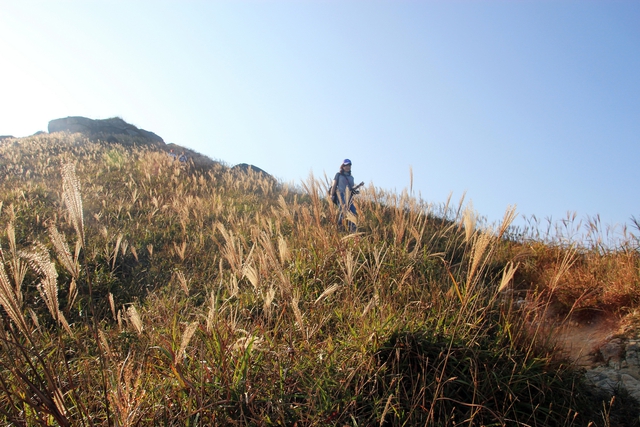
(244, 167)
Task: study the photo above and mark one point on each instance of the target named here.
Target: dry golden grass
(242, 303)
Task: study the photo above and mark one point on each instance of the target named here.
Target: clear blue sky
(527, 103)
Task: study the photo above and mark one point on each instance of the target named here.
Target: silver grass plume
(283, 250)
(480, 247)
(17, 267)
(327, 292)
(71, 197)
(41, 263)
(507, 275)
(182, 280)
(213, 310)
(12, 302)
(268, 300)
(186, 338)
(469, 220)
(135, 319)
(112, 304)
(295, 300)
(68, 261)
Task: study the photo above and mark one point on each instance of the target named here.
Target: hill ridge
(221, 297)
(101, 127)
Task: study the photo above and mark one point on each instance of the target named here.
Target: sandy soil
(580, 339)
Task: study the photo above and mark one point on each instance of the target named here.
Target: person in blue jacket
(342, 192)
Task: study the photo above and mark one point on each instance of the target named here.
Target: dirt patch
(580, 339)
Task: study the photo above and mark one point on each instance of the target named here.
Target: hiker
(172, 154)
(342, 192)
(183, 158)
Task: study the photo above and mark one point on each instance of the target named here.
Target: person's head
(345, 166)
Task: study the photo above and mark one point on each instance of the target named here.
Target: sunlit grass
(139, 291)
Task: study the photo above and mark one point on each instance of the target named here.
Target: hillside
(140, 290)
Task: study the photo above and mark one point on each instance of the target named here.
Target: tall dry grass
(207, 295)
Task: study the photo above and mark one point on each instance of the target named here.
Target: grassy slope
(155, 294)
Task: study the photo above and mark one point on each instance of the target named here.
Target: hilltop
(139, 290)
(106, 128)
(116, 130)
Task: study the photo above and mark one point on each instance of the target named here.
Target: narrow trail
(581, 337)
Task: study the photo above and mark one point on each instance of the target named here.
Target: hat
(346, 162)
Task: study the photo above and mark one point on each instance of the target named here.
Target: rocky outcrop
(101, 128)
(619, 366)
(244, 167)
(607, 347)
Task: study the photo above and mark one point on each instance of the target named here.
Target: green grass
(200, 295)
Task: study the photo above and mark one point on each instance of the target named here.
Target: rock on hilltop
(91, 127)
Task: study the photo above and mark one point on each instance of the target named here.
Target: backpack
(334, 194)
